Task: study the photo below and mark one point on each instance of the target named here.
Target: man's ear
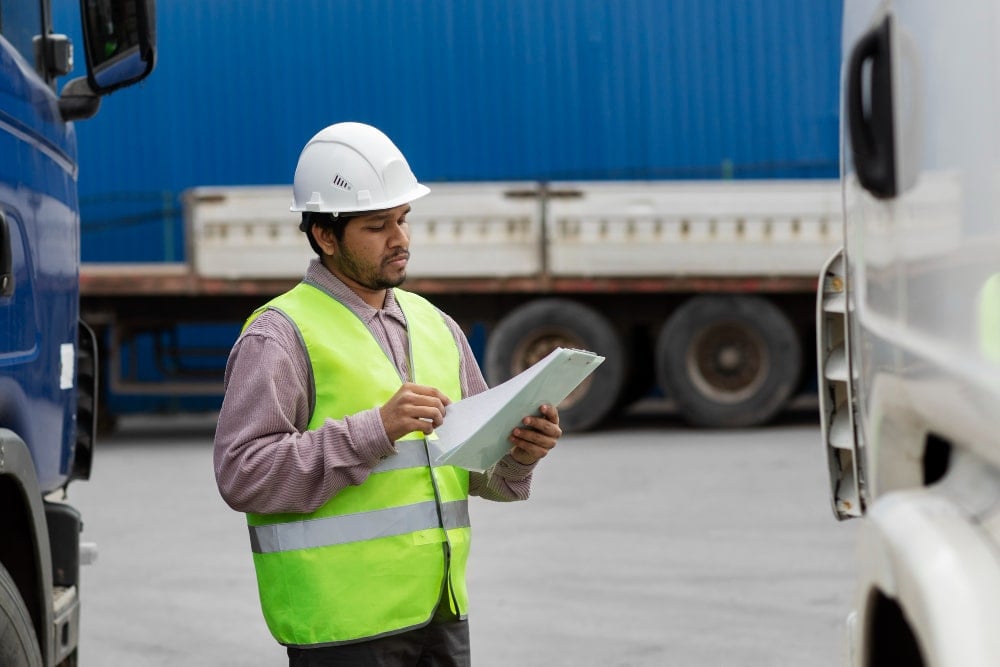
(325, 238)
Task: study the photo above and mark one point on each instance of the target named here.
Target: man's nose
(400, 236)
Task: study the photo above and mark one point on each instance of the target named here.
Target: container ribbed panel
(469, 89)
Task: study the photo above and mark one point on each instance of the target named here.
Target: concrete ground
(646, 543)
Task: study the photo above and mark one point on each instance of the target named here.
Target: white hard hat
(349, 167)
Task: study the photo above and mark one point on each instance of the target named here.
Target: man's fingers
(413, 407)
(416, 397)
(423, 391)
(536, 452)
(432, 414)
(551, 413)
(542, 427)
(536, 436)
(531, 439)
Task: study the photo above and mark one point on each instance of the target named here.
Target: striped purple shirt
(267, 462)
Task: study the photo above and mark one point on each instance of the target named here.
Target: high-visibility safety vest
(989, 318)
(377, 558)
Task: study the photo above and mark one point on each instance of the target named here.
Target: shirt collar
(318, 274)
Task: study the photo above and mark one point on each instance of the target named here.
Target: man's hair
(324, 221)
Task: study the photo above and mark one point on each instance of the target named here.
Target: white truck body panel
(238, 232)
(498, 230)
(920, 548)
(458, 230)
(919, 261)
(712, 228)
(923, 370)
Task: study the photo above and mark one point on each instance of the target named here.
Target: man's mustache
(403, 254)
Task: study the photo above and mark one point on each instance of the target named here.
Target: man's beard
(367, 274)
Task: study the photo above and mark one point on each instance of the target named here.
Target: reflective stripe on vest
(377, 557)
(358, 527)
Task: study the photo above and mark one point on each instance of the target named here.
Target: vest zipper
(446, 545)
(446, 588)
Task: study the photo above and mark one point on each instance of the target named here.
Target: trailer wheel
(728, 361)
(18, 643)
(528, 333)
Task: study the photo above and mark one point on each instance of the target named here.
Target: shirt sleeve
(266, 461)
(508, 480)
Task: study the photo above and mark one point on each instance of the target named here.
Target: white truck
(704, 288)
(909, 331)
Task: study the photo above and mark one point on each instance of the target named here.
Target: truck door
(921, 240)
(39, 250)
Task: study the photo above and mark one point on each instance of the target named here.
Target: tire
(728, 361)
(528, 333)
(18, 642)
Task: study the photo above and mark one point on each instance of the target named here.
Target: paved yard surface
(646, 543)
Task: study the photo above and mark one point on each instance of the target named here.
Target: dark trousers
(434, 645)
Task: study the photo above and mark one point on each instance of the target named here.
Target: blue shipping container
(469, 89)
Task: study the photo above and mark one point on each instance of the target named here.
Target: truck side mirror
(119, 41)
(120, 46)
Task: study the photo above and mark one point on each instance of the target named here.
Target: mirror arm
(77, 101)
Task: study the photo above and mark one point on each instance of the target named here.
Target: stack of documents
(475, 430)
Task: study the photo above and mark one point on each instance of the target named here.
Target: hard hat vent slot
(341, 182)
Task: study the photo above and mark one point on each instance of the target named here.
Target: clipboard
(475, 430)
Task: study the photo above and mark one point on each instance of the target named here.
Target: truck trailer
(48, 363)
(653, 181)
(908, 318)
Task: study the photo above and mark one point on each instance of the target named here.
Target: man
(359, 544)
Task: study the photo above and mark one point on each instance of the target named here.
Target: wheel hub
(727, 362)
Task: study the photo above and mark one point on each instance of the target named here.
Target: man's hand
(538, 435)
(413, 407)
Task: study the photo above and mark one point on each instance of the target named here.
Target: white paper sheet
(475, 430)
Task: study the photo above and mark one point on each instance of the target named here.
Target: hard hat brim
(416, 193)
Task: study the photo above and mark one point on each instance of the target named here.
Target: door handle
(6, 259)
(872, 130)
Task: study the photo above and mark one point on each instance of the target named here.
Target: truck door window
(20, 23)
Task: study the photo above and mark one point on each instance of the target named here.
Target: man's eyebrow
(386, 215)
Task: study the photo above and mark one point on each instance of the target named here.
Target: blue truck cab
(47, 356)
